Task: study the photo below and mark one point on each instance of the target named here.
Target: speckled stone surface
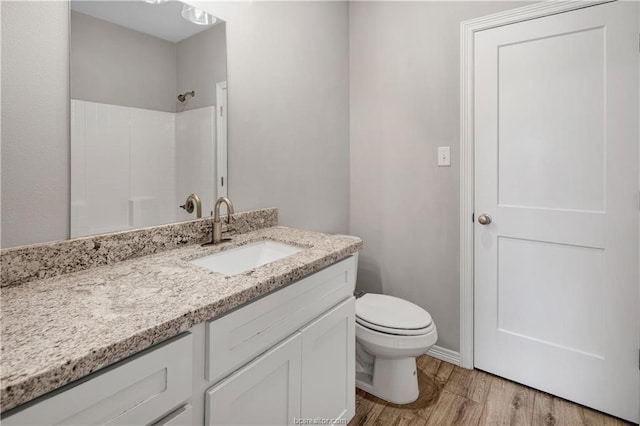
(22, 264)
(59, 329)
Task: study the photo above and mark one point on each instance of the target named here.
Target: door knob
(484, 219)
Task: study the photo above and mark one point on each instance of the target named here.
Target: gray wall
(404, 104)
(116, 65)
(201, 63)
(35, 151)
(289, 110)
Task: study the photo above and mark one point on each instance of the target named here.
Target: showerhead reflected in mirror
(141, 141)
(183, 96)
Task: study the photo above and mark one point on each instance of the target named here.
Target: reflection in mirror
(148, 114)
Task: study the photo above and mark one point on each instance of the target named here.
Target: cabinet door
(328, 364)
(264, 392)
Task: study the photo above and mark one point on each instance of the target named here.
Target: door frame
(467, 32)
(222, 180)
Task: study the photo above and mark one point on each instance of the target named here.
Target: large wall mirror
(148, 113)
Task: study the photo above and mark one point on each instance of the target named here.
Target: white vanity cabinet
(308, 370)
(308, 375)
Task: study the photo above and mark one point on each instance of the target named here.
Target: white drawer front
(134, 391)
(240, 336)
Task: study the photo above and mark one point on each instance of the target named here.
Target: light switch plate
(444, 156)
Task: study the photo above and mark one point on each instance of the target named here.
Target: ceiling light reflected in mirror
(197, 16)
(191, 13)
(159, 18)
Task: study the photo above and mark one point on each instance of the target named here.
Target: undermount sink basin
(243, 258)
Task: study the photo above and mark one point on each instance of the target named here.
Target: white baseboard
(446, 355)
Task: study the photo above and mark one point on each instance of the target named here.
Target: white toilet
(390, 334)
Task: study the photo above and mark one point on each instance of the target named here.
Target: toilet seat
(392, 315)
(394, 331)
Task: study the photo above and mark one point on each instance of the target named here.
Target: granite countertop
(57, 330)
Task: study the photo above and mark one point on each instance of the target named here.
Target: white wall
(34, 134)
(404, 85)
(123, 172)
(153, 168)
(100, 168)
(196, 158)
(132, 167)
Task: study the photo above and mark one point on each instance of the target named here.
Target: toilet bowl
(390, 334)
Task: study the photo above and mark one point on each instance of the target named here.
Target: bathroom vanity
(161, 340)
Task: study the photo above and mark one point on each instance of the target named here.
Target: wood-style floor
(450, 395)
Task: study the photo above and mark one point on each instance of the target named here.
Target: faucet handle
(188, 206)
(193, 203)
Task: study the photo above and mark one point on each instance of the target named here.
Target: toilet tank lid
(391, 312)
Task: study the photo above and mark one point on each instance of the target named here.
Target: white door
(264, 392)
(556, 169)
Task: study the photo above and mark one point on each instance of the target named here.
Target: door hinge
(221, 110)
(222, 181)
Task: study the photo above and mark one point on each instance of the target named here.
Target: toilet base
(394, 380)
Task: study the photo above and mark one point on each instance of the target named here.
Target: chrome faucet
(217, 223)
(193, 200)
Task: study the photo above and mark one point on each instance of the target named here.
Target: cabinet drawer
(240, 336)
(137, 390)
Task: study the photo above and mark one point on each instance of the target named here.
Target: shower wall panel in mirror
(148, 89)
